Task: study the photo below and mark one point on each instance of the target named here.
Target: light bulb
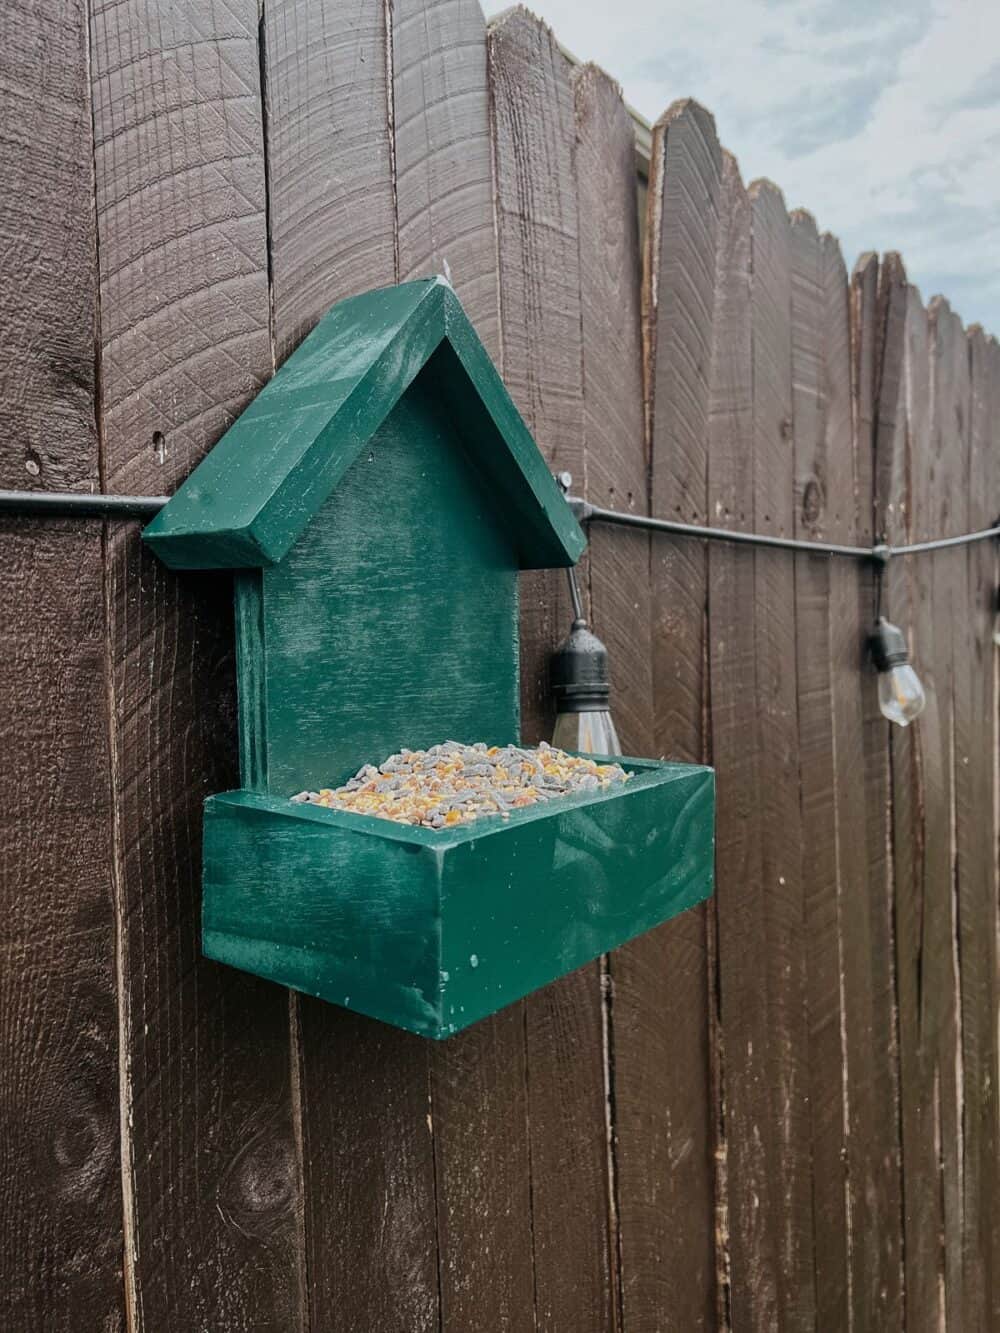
(996, 617)
(901, 696)
(589, 733)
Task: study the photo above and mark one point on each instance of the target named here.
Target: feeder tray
(377, 500)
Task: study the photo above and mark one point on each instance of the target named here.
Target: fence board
(784, 1043)
(974, 801)
(210, 1165)
(441, 139)
(870, 1054)
(364, 1090)
(746, 1257)
(615, 475)
(444, 205)
(59, 1188)
(945, 514)
(534, 135)
(330, 186)
(819, 459)
(992, 1169)
(672, 963)
(904, 378)
(873, 1044)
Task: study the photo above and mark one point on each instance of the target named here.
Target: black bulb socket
(888, 646)
(579, 672)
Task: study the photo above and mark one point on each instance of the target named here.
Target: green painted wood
(251, 499)
(432, 931)
(393, 621)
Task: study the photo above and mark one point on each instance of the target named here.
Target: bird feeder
(376, 502)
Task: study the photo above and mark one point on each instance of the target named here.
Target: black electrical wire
(73, 504)
(880, 554)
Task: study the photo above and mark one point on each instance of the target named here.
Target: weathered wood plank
(992, 1169)
(534, 131)
(785, 1044)
(539, 275)
(478, 1097)
(445, 224)
(869, 1033)
(822, 458)
(615, 476)
(60, 1198)
(904, 401)
(873, 1067)
(671, 1175)
(746, 1243)
(180, 200)
(441, 139)
(874, 1057)
(945, 515)
(613, 440)
(330, 184)
(332, 235)
(210, 1172)
(974, 796)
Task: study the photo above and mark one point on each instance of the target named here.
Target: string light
(582, 690)
(901, 696)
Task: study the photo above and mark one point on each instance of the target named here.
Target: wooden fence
(776, 1113)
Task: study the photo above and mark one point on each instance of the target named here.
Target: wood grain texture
(871, 1056)
(534, 132)
(783, 1036)
(60, 1198)
(441, 140)
(210, 1165)
(746, 1260)
(944, 514)
(823, 459)
(904, 376)
(975, 723)
(672, 1178)
(992, 1168)
(178, 157)
(615, 476)
(330, 184)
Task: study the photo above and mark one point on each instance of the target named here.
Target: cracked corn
(451, 783)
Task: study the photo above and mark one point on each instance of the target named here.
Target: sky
(882, 117)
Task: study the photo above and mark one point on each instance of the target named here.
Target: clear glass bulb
(900, 694)
(590, 733)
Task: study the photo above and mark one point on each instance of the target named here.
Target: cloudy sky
(882, 117)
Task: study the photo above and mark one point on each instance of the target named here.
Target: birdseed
(451, 783)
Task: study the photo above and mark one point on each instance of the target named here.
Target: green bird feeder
(376, 502)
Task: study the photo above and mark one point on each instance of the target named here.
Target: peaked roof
(251, 498)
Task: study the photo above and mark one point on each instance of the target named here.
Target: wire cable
(80, 504)
(880, 554)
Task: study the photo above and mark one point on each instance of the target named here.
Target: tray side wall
(432, 939)
(553, 894)
(348, 917)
